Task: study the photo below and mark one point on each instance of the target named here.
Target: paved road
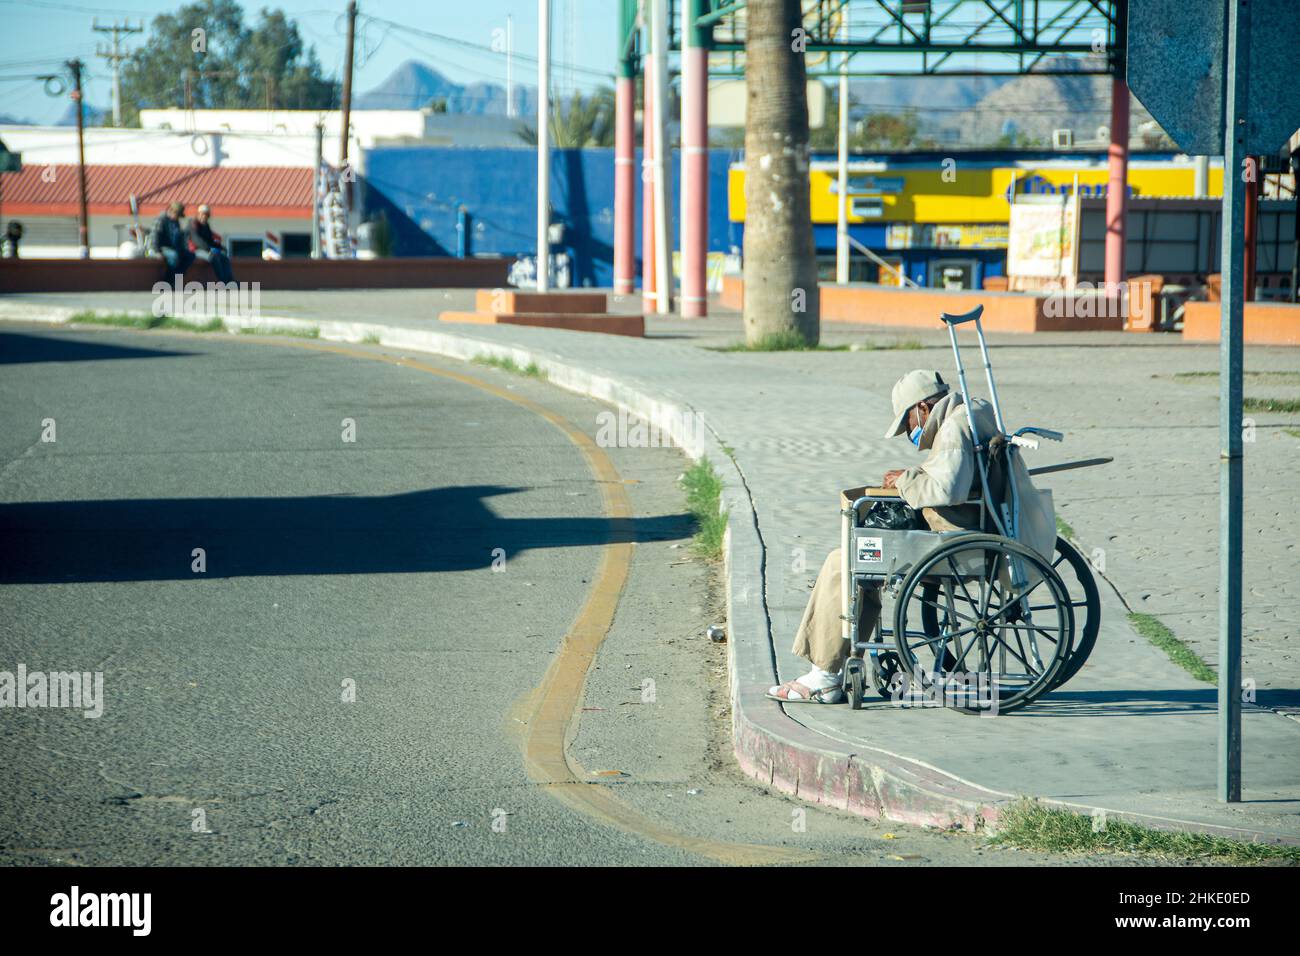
(365, 566)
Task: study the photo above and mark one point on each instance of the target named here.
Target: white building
(254, 167)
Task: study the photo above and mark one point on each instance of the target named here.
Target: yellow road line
(550, 709)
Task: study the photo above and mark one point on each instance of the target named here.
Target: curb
(769, 745)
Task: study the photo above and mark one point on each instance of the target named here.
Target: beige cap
(916, 386)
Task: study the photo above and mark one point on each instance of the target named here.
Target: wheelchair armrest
(850, 495)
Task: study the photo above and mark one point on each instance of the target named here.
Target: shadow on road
(19, 349)
(439, 529)
(1148, 703)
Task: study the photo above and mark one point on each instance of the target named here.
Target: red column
(647, 194)
(624, 184)
(1117, 186)
(695, 182)
(1249, 233)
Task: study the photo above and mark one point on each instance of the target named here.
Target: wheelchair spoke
(940, 639)
(961, 658)
(991, 581)
(1030, 627)
(1007, 647)
(944, 609)
(960, 581)
(1046, 635)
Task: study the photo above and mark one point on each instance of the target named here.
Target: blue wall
(421, 187)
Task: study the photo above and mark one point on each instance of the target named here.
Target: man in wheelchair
(933, 418)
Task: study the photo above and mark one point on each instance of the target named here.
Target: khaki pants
(819, 638)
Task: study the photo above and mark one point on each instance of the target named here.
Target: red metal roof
(274, 191)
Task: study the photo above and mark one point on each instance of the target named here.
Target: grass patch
(308, 333)
(703, 490)
(787, 341)
(1293, 432)
(1263, 375)
(898, 345)
(1032, 826)
(1154, 631)
(1063, 528)
(370, 338)
(531, 370)
(126, 320)
(1290, 405)
(791, 342)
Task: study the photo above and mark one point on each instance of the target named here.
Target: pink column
(647, 194)
(624, 184)
(695, 182)
(1117, 186)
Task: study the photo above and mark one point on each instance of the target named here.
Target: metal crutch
(1003, 520)
(1007, 518)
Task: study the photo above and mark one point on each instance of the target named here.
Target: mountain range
(414, 85)
(965, 111)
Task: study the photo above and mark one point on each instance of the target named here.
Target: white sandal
(834, 694)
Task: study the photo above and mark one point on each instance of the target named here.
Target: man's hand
(891, 477)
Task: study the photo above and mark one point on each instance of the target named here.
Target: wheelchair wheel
(1076, 573)
(1080, 585)
(884, 674)
(970, 637)
(855, 683)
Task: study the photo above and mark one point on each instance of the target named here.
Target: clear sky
(38, 35)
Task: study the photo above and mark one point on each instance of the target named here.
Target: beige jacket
(945, 478)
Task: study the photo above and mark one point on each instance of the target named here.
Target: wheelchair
(981, 623)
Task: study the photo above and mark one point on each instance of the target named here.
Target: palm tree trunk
(780, 259)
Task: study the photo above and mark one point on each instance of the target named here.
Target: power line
(486, 48)
(76, 9)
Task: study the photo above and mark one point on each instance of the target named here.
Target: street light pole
(543, 145)
(659, 69)
(842, 177)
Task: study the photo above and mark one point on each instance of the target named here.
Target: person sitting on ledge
(207, 245)
(934, 419)
(170, 241)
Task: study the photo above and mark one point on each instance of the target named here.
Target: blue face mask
(915, 436)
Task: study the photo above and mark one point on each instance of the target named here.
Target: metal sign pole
(1235, 104)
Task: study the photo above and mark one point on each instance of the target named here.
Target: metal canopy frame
(1018, 34)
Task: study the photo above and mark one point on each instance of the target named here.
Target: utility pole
(115, 56)
(347, 112)
(83, 226)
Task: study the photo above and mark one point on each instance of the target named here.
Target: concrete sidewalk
(1132, 734)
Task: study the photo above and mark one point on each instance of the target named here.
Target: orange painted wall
(1266, 323)
(920, 308)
